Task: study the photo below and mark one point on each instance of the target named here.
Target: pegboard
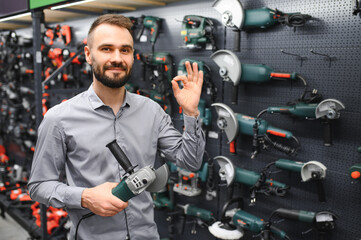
(333, 31)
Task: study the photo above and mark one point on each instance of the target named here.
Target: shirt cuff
(73, 197)
(192, 124)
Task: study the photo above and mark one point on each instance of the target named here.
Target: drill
(154, 25)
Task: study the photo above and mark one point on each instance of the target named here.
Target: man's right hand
(101, 201)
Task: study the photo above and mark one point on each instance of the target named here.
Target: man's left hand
(188, 97)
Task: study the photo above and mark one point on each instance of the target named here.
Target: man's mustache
(116, 65)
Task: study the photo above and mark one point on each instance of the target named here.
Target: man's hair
(112, 19)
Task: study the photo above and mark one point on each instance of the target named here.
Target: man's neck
(113, 97)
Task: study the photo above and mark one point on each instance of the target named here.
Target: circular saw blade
(229, 65)
(329, 108)
(227, 171)
(227, 118)
(232, 13)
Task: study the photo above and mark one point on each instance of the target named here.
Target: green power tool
(326, 110)
(355, 170)
(235, 221)
(310, 171)
(237, 18)
(323, 222)
(198, 32)
(234, 123)
(188, 181)
(135, 182)
(257, 181)
(154, 25)
(211, 90)
(161, 99)
(199, 216)
(231, 70)
(162, 67)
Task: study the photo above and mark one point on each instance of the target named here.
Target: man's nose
(117, 57)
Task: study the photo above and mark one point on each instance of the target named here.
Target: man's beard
(112, 82)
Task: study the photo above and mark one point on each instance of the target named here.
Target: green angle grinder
(233, 71)
(310, 171)
(235, 222)
(258, 182)
(234, 123)
(325, 111)
(237, 18)
(135, 182)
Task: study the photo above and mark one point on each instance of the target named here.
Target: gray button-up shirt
(71, 155)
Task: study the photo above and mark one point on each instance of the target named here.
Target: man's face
(111, 55)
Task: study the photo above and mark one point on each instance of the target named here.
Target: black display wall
(334, 32)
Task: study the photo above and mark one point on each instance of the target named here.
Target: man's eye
(126, 50)
(106, 49)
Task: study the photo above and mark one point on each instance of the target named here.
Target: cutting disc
(312, 166)
(232, 12)
(227, 171)
(161, 179)
(227, 120)
(329, 108)
(230, 68)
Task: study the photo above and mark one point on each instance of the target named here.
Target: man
(72, 167)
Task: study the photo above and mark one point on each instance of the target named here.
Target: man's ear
(87, 55)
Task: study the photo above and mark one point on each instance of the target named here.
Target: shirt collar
(96, 102)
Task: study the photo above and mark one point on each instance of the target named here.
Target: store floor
(11, 230)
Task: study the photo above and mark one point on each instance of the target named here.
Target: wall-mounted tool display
(236, 123)
(237, 18)
(198, 33)
(58, 33)
(161, 67)
(312, 171)
(355, 170)
(357, 8)
(258, 182)
(232, 70)
(153, 24)
(188, 181)
(199, 216)
(322, 222)
(135, 182)
(326, 110)
(208, 84)
(235, 222)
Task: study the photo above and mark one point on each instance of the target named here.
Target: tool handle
(120, 156)
(282, 234)
(122, 191)
(234, 94)
(284, 75)
(298, 215)
(237, 42)
(327, 134)
(201, 213)
(289, 165)
(321, 191)
(279, 132)
(278, 109)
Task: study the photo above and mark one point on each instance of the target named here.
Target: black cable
(126, 224)
(81, 219)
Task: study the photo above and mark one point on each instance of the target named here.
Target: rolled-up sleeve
(46, 184)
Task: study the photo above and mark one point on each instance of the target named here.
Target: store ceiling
(95, 8)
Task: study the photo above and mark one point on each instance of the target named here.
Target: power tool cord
(92, 214)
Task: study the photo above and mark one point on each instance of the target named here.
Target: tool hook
(327, 57)
(298, 57)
